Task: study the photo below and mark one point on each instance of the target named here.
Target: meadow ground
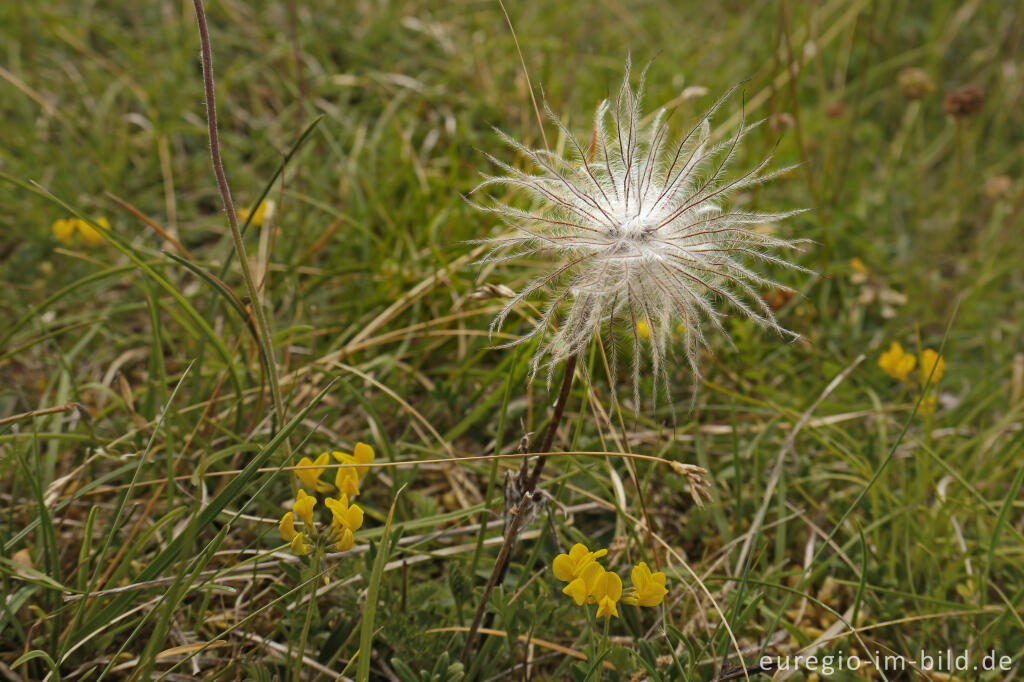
(148, 409)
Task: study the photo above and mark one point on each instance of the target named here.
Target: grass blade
(370, 612)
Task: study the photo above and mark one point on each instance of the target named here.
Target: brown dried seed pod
(964, 102)
(914, 83)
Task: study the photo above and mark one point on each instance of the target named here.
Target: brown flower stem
(502, 561)
(556, 418)
(263, 329)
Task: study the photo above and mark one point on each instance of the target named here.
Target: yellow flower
(927, 407)
(345, 515)
(648, 588)
(300, 546)
(643, 330)
(64, 230)
(296, 539)
(259, 216)
(897, 363)
(89, 234)
(347, 478)
(344, 539)
(304, 507)
(582, 587)
(347, 482)
(930, 359)
(287, 527)
(362, 454)
(607, 592)
(311, 477)
(569, 567)
(347, 519)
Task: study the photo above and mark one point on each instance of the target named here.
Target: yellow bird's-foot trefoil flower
(264, 211)
(299, 541)
(896, 362)
(607, 593)
(581, 588)
(347, 482)
(590, 583)
(89, 234)
(347, 478)
(362, 454)
(930, 368)
(346, 520)
(569, 567)
(648, 588)
(931, 360)
(64, 230)
(69, 230)
(303, 506)
(309, 476)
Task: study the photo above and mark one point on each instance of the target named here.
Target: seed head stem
(263, 329)
(502, 561)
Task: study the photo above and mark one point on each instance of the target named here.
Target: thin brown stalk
(178, 246)
(263, 329)
(501, 562)
(41, 412)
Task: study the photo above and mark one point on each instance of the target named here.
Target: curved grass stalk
(262, 327)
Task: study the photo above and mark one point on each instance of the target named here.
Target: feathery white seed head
(638, 232)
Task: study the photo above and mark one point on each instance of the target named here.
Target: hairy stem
(262, 328)
(502, 561)
(556, 418)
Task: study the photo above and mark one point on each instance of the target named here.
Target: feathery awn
(638, 235)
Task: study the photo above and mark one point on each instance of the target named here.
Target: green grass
(160, 483)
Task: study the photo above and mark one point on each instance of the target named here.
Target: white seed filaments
(638, 236)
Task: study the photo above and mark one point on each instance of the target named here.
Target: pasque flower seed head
(637, 233)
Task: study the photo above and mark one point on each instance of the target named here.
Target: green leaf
(37, 653)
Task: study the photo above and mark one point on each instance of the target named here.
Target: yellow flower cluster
(900, 365)
(70, 230)
(346, 478)
(589, 582)
(346, 518)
